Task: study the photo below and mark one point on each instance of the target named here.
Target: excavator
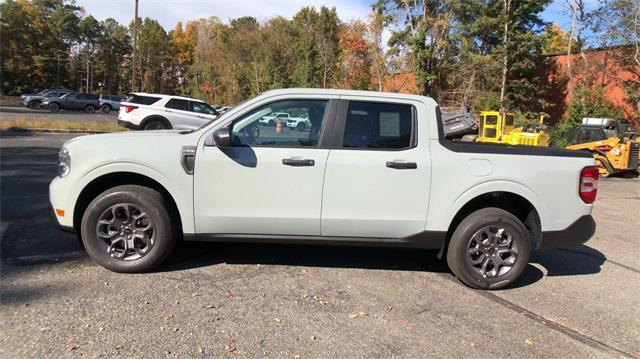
(614, 147)
(493, 127)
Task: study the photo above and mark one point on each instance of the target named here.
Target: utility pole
(135, 50)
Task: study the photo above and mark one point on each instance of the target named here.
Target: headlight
(64, 162)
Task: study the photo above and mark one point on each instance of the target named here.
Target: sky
(169, 12)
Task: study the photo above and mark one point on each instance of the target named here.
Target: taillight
(129, 108)
(605, 148)
(588, 184)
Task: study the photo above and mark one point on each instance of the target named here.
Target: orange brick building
(610, 68)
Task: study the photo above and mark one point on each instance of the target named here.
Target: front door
(378, 171)
(270, 181)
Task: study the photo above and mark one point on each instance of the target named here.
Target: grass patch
(59, 125)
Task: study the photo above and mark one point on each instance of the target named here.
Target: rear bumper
(577, 233)
(127, 124)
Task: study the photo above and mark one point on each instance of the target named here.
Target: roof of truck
(339, 92)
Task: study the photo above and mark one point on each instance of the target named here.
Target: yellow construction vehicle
(499, 127)
(613, 150)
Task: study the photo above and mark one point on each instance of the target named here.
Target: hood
(127, 136)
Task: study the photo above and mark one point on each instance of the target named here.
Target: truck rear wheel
(128, 229)
(489, 249)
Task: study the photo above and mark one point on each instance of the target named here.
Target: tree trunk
(135, 49)
(87, 87)
(571, 34)
(505, 60)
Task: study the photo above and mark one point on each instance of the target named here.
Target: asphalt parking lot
(240, 300)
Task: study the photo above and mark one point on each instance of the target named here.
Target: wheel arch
(113, 179)
(515, 203)
(155, 117)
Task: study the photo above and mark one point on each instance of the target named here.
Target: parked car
(378, 171)
(109, 103)
(73, 101)
(299, 123)
(270, 120)
(145, 111)
(34, 102)
(41, 93)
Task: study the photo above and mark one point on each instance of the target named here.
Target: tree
(355, 60)
(376, 48)
(90, 35)
(424, 35)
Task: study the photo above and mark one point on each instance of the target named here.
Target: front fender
(64, 192)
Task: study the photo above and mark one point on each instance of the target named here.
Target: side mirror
(220, 138)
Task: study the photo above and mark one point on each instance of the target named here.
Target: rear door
(378, 171)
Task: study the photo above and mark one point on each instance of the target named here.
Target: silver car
(110, 102)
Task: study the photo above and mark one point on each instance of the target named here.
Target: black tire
(89, 109)
(155, 124)
(54, 107)
(460, 259)
(146, 200)
(106, 108)
(34, 105)
(300, 126)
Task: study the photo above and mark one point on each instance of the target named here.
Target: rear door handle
(298, 162)
(402, 165)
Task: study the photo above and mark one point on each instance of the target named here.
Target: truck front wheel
(128, 229)
(489, 249)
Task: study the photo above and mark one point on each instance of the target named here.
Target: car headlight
(64, 162)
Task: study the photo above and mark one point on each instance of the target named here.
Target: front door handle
(402, 165)
(298, 162)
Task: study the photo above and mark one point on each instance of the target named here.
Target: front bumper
(127, 124)
(577, 233)
(54, 219)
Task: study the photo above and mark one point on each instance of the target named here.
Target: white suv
(145, 111)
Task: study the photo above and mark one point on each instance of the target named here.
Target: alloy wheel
(126, 232)
(492, 251)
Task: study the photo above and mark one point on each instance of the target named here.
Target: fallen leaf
(228, 294)
(174, 329)
(229, 348)
(211, 306)
(73, 347)
(167, 317)
(358, 314)
(196, 294)
(388, 309)
(528, 342)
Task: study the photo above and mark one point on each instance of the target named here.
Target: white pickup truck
(374, 169)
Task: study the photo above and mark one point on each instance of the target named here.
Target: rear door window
(178, 104)
(377, 125)
(142, 100)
